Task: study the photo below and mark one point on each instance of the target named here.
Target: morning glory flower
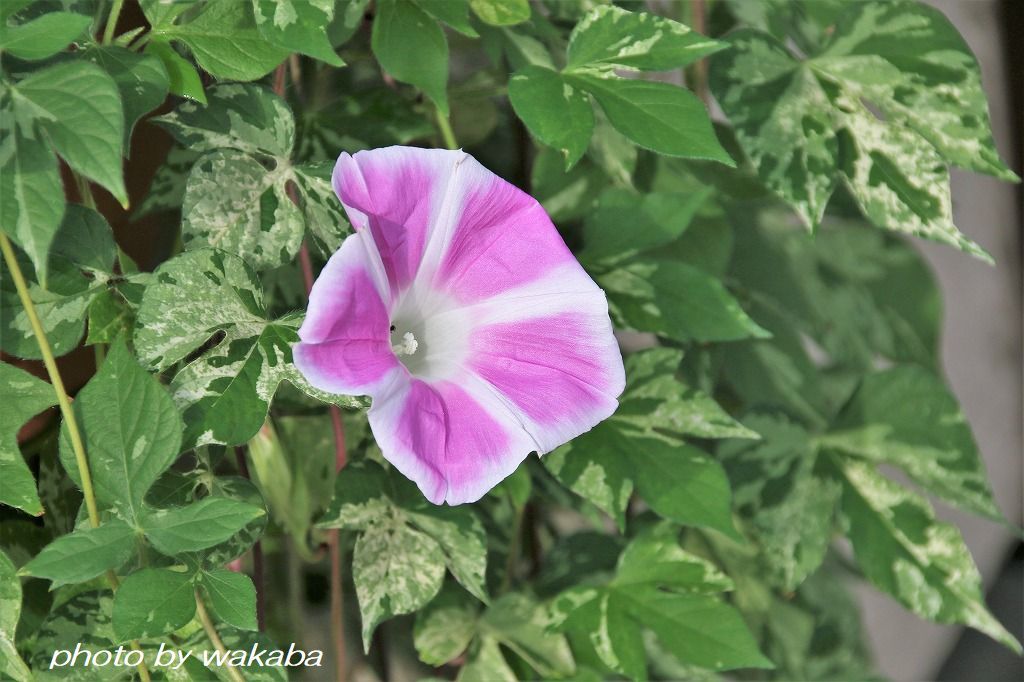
(456, 306)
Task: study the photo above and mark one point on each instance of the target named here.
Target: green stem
(58, 384)
(85, 191)
(446, 130)
(513, 546)
(211, 632)
(74, 434)
(115, 12)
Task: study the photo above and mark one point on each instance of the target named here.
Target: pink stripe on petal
(562, 372)
(502, 239)
(345, 339)
(392, 192)
(454, 447)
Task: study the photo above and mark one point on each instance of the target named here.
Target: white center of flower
(429, 334)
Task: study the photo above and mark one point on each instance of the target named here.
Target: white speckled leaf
(892, 100)
(233, 203)
(905, 551)
(84, 618)
(445, 627)
(907, 417)
(248, 118)
(22, 396)
(396, 569)
(610, 37)
(520, 623)
(462, 539)
(224, 392)
(321, 209)
(11, 664)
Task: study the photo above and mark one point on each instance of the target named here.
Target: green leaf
(596, 466)
(11, 664)
(557, 114)
(624, 224)
(167, 191)
(233, 203)
(298, 26)
(152, 602)
(131, 429)
(84, 554)
(396, 569)
(226, 42)
(359, 498)
(232, 597)
(243, 490)
(904, 551)
(697, 629)
(87, 130)
(23, 396)
(613, 37)
(183, 79)
(445, 627)
(31, 194)
(501, 12)
(678, 301)
(454, 13)
(519, 623)
(197, 526)
(411, 46)
(790, 506)
(905, 416)
(43, 36)
(141, 79)
(663, 118)
(245, 117)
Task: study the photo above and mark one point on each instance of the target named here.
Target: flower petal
(552, 356)
(456, 441)
(345, 339)
(395, 193)
(441, 218)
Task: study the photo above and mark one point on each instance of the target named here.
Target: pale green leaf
(520, 623)
(197, 526)
(84, 554)
(43, 36)
(226, 42)
(556, 113)
(501, 12)
(152, 602)
(182, 77)
(141, 79)
(79, 107)
(663, 118)
(131, 429)
(83, 619)
(445, 627)
(298, 26)
(232, 597)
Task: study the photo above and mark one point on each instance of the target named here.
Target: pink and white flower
(458, 309)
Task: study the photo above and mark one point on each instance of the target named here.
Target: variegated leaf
(904, 550)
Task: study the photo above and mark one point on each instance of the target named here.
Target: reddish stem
(333, 541)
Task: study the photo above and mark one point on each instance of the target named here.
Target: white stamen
(408, 345)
